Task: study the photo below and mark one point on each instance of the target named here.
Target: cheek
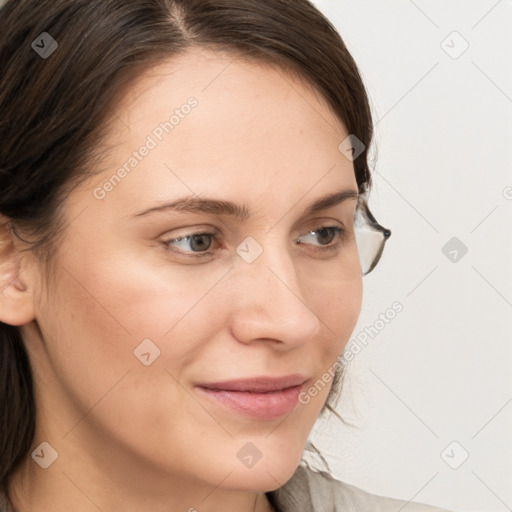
(91, 328)
(106, 316)
(338, 305)
(130, 296)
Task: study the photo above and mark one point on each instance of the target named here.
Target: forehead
(215, 120)
(214, 74)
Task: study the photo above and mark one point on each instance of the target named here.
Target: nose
(269, 304)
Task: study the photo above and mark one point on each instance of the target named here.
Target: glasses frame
(363, 216)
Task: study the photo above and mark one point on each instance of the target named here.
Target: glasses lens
(370, 236)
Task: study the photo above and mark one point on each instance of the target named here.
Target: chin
(268, 473)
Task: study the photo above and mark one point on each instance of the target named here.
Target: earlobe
(16, 298)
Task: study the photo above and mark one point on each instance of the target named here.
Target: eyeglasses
(370, 236)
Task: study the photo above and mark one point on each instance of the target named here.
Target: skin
(133, 437)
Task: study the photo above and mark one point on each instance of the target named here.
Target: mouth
(259, 398)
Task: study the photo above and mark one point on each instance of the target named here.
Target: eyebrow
(241, 212)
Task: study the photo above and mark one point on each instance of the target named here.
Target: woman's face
(135, 321)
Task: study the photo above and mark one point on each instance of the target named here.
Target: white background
(440, 371)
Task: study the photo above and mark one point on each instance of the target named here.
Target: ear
(16, 292)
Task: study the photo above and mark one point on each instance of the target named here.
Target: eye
(199, 243)
(326, 233)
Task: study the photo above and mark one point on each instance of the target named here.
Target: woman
(184, 231)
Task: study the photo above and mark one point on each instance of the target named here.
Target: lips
(261, 398)
(257, 384)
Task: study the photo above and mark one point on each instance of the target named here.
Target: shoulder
(318, 491)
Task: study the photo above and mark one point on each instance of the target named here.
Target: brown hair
(54, 111)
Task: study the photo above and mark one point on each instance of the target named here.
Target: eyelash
(340, 234)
